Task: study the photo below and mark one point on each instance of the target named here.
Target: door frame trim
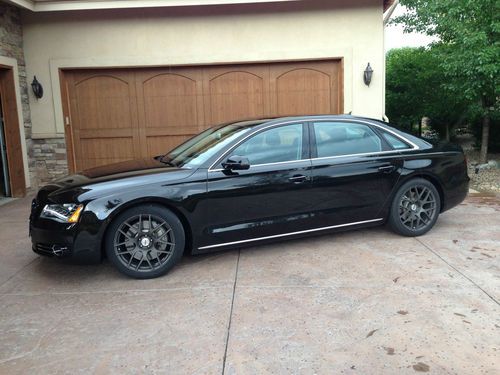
(13, 118)
(68, 131)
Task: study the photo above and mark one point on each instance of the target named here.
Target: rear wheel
(145, 241)
(415, 208)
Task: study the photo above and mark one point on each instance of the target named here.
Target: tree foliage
(469, 47)
(416, 88)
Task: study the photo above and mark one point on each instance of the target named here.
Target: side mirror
(236, 163)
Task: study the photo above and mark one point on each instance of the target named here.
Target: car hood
(129, 174)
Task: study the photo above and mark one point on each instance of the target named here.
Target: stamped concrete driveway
(364, 302)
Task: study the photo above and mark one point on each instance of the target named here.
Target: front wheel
(415, 208)
(145, 241)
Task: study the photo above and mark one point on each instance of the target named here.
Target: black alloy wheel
(415, 208)
(145, 241)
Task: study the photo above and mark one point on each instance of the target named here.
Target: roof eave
(388, 4)
(57, 5)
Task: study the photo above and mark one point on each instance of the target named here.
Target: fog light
(58, 250)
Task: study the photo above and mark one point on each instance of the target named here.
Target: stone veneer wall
(46, 157)
(49, 160)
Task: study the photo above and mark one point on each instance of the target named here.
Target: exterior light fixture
(37, 88)
(367, 76)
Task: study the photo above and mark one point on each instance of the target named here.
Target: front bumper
(64, 243)
(53, 243)
(74, 242)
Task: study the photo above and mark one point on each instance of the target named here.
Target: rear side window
(394, 141)
(342, 138)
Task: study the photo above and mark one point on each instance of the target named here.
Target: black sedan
(246, 183)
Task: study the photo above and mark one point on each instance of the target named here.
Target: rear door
(270, 198)
(354, 171)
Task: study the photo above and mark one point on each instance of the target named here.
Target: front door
(353, 174)
(270, 198)
(4, 170)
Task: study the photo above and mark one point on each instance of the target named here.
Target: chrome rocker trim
(290, 234)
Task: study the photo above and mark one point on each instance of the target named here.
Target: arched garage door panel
(103, 117)
(238, 92)
(304, 91)
(121, 114)
(170, 108)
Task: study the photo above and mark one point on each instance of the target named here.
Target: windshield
(202, 147)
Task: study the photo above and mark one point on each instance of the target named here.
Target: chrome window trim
(290, 233)
(264, 164)
(413, 145)
(360, 154)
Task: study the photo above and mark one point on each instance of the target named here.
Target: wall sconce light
(37, 88)
(367, 76)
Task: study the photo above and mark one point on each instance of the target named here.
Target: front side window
(343, 138)
(275, 145)
(200, 148)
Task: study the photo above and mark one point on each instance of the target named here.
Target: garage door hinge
(66, 120)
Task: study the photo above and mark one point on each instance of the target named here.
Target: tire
(145, 242)
(415, 208)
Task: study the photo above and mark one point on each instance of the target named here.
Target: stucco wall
(159, 37)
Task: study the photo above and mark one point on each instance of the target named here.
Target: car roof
(258, 121)
(305, 118)
(314, 117)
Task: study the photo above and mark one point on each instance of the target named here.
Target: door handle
(387, 168)
(298, 178)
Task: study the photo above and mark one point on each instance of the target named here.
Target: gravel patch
(487, 179)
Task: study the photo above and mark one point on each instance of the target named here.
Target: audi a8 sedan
(247, 183)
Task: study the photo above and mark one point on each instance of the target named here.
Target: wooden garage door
(120, 114)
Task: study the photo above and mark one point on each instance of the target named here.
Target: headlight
(63, 213)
